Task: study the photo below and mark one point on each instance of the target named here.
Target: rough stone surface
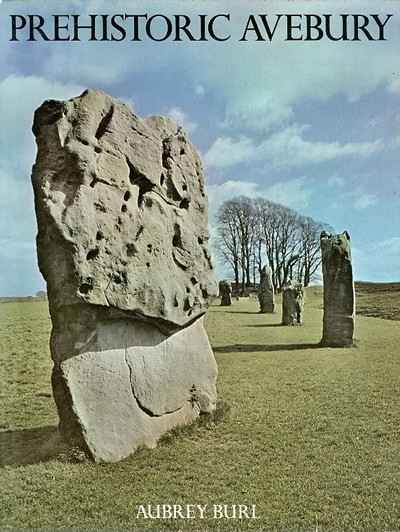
(225, 293)
(339, 295)
(123, 245)
(266, 295)
(292, 305)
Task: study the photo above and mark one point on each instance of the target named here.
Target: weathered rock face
(122, 243)
(266, 291)
(292, 305)
(339, 295)
(225, 293)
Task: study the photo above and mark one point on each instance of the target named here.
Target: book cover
(199, 265)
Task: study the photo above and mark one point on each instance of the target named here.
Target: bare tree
(254, 231)
(228, 237)
(279, 227)
(310, 261)
(236, 228)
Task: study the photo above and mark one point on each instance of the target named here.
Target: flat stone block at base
(132, 384)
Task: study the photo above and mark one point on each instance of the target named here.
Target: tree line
(252, 232)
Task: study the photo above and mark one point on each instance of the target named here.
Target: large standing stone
(292, 305)
(266, 291)
(339, 296)
(122, 243)
(225, 293)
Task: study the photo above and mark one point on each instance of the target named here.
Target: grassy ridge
(379, 300)
(312, 438)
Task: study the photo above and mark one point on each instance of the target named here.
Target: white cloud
(336, 181)
(391, 246)
(394, 86)
(181, 118)
(288, 148)
(199, 90)
(385, 265)
(292, 193)
(295, 193)
(261, 83)
(363, 201)
(226, 152)
(285, 149)
(19, 97)
(274, 78)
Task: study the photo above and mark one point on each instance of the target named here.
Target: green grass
(312, 437)
(379, 300)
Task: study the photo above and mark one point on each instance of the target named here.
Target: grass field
(312, 438)
(379, 300)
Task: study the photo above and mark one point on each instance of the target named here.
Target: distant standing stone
(266, 292)
(225, 293)
(339, 296)
(292, 305)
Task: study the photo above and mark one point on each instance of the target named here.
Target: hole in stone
(149, 202)
(149, 248)
(148, 264)
(127, 195)
(104, 123)
(93, 182)
(184, 204)
(200, 240)
(182, 151)
(93, 253)
(140, 180)
(177, 238)
(131, 250)
(187, 290)
(97, 149)
(193, 281)
(119, 220)
(124, 208)
(186, 304)
(85, 288)
(184, 186)
(117, 279)
(204, 293)
(100, 206)
(99, 235)
(162, 179)
(140, 231)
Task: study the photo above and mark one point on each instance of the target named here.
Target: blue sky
(315, 126)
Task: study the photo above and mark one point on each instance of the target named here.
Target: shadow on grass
(265, 325)
(30, 446)
(241, 312)
(257, 348)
